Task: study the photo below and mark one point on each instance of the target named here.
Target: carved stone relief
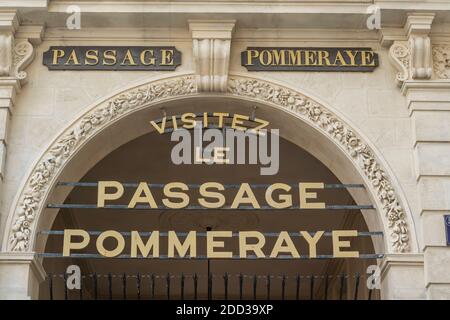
(399, 54)
(441, 61)
(23, 55)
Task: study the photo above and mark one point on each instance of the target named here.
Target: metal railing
(218, 286)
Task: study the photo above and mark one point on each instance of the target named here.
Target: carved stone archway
(22, 223)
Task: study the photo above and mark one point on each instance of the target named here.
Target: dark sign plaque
(112, 58)
(309, 59)
(447, 228)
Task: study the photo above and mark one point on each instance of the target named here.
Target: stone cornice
(210, 29)
(131, 34)
(25, 258)
(34, 34)
(230, 6)
(427, 94)
(321, 6)
(409, 5)
(24, 4)
(425, 85)
(418, 23)
(401, 259)
(291, 13)
(9, 22)
(387, 36)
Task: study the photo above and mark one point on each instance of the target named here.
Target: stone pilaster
(9, 87)
(20, 275)
(402, 277)
(429, 105)
(16, 53)
(423, 75)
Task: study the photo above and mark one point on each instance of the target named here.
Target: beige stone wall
(408, 126)
(52, 100)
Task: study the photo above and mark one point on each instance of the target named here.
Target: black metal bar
(204, 234)
(195, 286)
(341, 290)
(50, 285)
(153, 286)
(138, 285)
(201, 114)
(241, 286)
(210, 283)
(343, 277)
(182, 286)
(66, 294)
(311, 288)
(81, 288)
(357, 286)
(124, 286)
(201, 257)
(94, 278)
(196, 186)
(188, 208)
(110, 286)
(210, 126)
(225, 285)
(168, 285)
(255, 283)
(297, 289)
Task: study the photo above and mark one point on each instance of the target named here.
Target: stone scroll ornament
(15, 56)
(23, 54)
(48, 167)
(400, 56)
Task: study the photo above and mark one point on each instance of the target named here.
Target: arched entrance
(304, 122)
(147, 158)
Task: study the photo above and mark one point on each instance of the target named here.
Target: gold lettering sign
(217, 244)
(210, 194)
(188, 120)
(112, 58)
(309, 59)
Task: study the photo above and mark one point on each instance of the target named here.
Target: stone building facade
(388, 129)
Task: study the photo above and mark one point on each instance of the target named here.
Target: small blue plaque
(447, 228)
